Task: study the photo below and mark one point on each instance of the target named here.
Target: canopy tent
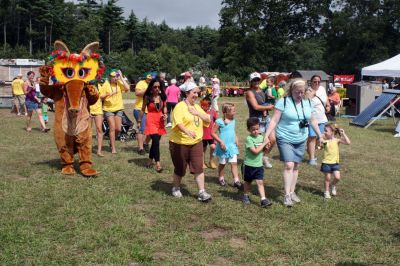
(387, 68)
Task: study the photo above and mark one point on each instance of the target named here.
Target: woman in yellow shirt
(96, 111)
(113, 105)
(185, 145)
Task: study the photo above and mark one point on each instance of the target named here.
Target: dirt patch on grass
(149, 221)
(160, 256)
(214, 233)
(220, 261)
(237, 242)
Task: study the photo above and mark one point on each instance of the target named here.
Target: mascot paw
(68, 170)
(89, 172)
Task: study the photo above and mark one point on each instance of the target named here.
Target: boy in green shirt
(252, 168)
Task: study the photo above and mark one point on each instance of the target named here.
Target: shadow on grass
(350, 263)
(311, 190)
(139, 161)
(384, 129)
(166, 188)
(53, 163)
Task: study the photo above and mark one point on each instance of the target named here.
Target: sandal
(100, 154)
(45, 130)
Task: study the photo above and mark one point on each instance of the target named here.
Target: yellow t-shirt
(17, 87)
(97, 108)
(140, 86)
(331, 151)
(181, 115)
(113, 103)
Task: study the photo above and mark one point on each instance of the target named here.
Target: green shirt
(251, 159)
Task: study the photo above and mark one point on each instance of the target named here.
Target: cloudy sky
(176, 13)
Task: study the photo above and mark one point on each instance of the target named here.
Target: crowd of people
(299, 122)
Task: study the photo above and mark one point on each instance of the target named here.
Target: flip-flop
(100, 154)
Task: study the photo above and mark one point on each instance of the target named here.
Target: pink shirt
(207, 130)
(172, 93)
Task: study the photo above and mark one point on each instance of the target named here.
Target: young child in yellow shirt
(330, 163)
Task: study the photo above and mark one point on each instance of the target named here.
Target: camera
(303, 123)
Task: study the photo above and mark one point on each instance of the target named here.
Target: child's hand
(341, 131)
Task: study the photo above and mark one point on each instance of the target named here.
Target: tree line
(338, 36)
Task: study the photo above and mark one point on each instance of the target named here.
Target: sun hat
(188, 86)
(255, 75)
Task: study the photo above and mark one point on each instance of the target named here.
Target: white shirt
(318, 106)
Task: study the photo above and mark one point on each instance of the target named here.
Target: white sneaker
(294, 197)
(397, 135)
(287, 201)
(204, 196)
(327, 195)
(168, 125)
(176, 192)
(333, 190)
(266, 162)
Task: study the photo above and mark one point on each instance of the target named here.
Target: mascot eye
(83, 72)
(69, 72)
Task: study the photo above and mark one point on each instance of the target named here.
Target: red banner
(343, 79)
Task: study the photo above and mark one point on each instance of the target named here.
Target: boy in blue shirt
(252, 168)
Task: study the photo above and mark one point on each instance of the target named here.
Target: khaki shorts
(182, 155)
(19, 99)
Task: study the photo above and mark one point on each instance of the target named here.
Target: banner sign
(343, 79)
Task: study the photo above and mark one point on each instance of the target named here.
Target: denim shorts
(251, 173)
(312, 133)
(291, 152)
(31, 106)
(119, 113)
(330, 168)
(136, 114)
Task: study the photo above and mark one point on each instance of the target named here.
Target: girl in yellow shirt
(330, 163)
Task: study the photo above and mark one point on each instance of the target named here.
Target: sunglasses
(156, 87)
(316, 81)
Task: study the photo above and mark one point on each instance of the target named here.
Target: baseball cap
(255, 75)
(173, 81)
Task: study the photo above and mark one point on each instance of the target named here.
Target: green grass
(126, 216)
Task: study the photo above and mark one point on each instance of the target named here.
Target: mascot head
(75, 71)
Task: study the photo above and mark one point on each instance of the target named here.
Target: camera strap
(302, 108)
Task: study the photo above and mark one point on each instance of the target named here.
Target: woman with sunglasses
(185, 145)
(154, 99)
(320, 103)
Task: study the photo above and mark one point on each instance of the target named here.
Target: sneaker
(141, 152)
(146, 147)
(265, 203)
(313, 162)
(204, 196)
(334, 191)
(168, 125)
(287, 201)
(294, 197)
(327, 195)
(266, 162)
(246, 199)
(222, 182)
(397, 135)
(237, 185)
(176, 192)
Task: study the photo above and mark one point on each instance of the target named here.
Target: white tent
(387, 68)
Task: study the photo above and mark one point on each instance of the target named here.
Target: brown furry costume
(72, 125)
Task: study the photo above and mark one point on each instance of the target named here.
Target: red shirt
(207, 130)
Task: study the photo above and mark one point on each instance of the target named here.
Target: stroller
(127, 131)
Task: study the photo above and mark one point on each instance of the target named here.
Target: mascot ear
(91, 48)
(59, 45)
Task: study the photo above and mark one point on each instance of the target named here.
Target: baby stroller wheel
(123, 137)
(133, 135)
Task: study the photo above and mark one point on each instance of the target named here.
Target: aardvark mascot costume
(73, 77)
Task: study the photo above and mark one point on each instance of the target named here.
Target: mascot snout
(74, 90)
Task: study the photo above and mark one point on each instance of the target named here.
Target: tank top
(30, 96)
(260, 98)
